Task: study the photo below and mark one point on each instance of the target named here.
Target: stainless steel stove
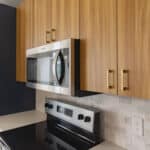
(68, 127)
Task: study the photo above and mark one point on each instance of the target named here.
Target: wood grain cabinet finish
(114, 34)
(134, 48)
(55, 20)
(24, 37)
(20, 45)
(42, 22)
(98, 45)
(65, 19)
(29, 23)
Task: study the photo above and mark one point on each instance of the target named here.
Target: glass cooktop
(39, 137)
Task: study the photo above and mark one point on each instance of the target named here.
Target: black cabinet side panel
(14, 97)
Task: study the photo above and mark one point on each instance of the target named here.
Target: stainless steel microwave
(54, 67)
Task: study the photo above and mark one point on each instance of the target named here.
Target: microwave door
(59, 67)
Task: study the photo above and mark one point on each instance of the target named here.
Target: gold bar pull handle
(48, 36)
(53, 37)
(110, 79)
(125, 80)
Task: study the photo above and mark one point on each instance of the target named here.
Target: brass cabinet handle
(124, 80)
(110, 79)
(53, 38)
(48, 36)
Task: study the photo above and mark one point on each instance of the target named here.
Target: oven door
(59, 67)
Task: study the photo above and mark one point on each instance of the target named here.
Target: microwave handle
(54, 65)
(58, 53)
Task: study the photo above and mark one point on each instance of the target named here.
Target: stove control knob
(87, 119)
(46, 105)
(80, 117)
(49, 106)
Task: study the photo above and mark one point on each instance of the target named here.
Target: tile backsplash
(125, 122)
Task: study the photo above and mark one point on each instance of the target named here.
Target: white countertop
(107, 146)
(12, 121)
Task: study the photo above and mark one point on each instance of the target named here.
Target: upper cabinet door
(134, 48)
(24, 35)
(98, 45)
(20, 42)
(42, 22)
(65, 19)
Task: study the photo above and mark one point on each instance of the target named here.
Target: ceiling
(13, 3)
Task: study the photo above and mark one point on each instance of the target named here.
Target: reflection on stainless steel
(59, 67)
(54, 65)
(59, 112)
(50, 88)
(75, 133)
(3, 145)
(58, 144)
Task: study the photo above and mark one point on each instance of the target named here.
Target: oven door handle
(62, 63)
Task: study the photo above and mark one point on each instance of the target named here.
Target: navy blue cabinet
(14, 97)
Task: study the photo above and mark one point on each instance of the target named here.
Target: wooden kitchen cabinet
(55, 20)
(42, 22)
(65, 19)
(114, 35)
(134, 48)
(20, 45)
(29, 23)
(24, 35)
(98, 37)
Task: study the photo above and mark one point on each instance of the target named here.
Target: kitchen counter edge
(107, 146)
(13, 121)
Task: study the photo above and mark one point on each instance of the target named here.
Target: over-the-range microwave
(55, 68)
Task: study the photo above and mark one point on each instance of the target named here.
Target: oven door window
(59, 67)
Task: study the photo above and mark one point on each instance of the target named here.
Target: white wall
(13, 3)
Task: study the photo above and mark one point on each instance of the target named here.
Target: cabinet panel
(29, 23)
(65, 19)
(98, 45)
(24, 33)
(134, 48)
(20, 45)
(42, 21)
